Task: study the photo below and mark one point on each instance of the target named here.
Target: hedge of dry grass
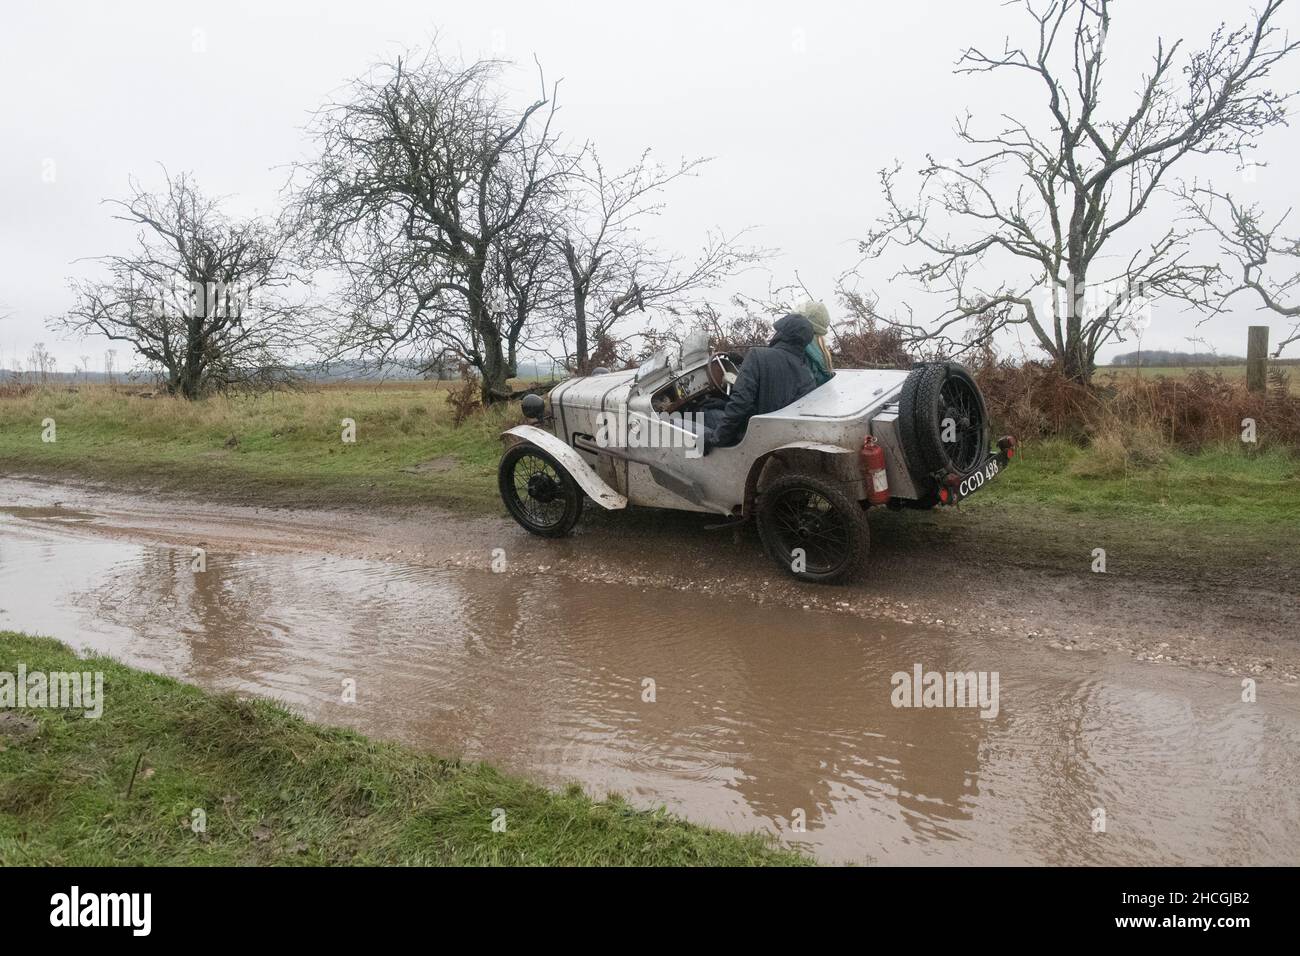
(1198, 410)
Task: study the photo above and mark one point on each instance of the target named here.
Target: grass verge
(278, 790)
(1222, 515)
(272, 448)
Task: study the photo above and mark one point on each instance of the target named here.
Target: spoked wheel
(961, 423)
(943, 425)
(812, 529)
(538, 492)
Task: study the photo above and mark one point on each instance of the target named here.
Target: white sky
(800, 104)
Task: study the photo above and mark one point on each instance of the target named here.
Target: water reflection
(761, 716)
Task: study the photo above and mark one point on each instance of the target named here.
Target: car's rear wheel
(813, 529)
(538, 492)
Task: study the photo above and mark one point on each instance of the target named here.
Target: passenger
(770, 378)
(819, 356)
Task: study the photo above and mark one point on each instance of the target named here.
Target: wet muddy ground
(773, 703)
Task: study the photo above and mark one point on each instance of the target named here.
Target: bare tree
(1255, 246)
(203, 299)
(745, 323)
(41, 364)
(422, 195)
(1050, 206)
(613, 270)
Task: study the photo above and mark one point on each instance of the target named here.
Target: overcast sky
(799, 103)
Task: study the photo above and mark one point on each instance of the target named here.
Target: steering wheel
(721, 372)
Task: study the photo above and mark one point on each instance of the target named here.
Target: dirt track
(926, 569)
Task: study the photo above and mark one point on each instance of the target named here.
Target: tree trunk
(494, 387)
(581, 349)
(494, 370)
(191, 365)
(185, 379)
(1077, 367)
(186, 383)
(1077, 363)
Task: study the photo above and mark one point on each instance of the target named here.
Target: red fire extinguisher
(872, 457)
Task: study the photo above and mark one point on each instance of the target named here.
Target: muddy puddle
(762, 717)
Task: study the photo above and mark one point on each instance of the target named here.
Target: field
(270, 788)
(283, 447)
(1233, 373)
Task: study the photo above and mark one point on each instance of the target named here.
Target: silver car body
(608, 435)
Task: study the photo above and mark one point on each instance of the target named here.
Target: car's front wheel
(538, 492)
(813, 529)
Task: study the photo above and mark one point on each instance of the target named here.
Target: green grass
(1221, 485)
(278, 790)
(1220, 515)
(279, 447)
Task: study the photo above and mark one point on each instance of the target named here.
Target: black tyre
(803, 512)
(943, 424)
(538, 492)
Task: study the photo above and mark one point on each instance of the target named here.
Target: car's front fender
(573, 463)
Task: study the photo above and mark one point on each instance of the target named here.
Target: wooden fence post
(1257, 358)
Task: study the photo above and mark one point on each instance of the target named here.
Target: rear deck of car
(850, 394)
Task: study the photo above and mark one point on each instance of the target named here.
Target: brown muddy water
(762, 717)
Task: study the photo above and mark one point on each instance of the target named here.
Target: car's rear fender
(833, 462)
(597, 490)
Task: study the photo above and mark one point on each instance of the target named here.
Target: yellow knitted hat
(815, 312)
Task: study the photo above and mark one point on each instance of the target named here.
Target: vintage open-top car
(807, 472)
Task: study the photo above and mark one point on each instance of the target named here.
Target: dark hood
(792, 330)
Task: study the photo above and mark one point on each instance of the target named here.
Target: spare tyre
(943, 423)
